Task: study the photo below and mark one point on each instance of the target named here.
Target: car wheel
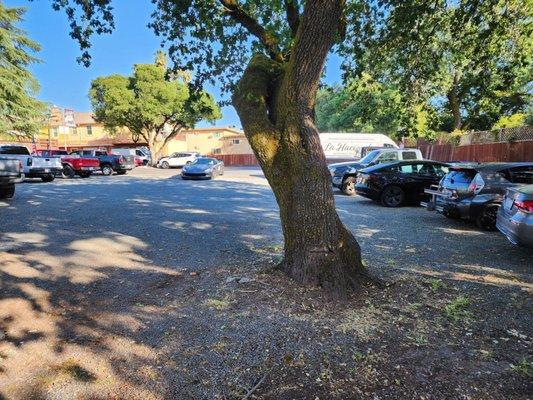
(165, 165)
(348, 186)
(68, 172)
(84, 174)
(486, 219)
(188, 163)
(7, 192)
(451, 215)
(48, 178)
(392, 196)
(106, 170)
(121, 172)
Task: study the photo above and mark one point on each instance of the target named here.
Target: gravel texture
(149, 287)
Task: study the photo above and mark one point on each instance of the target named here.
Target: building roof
(84, 118)
(236, 136)
(215, 129)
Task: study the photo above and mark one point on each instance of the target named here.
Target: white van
(139, 152)
(349, 145)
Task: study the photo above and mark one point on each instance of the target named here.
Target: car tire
(392, 196)
(48, 178)
(106, 170)
(68, 172)
(451, 215)
(348, 186)
(188, 163)
(121, 172)
(7, 192)
(486, 219)
(84, 174)
(165, 165)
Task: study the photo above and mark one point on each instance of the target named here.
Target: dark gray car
(203, 168)
(515, 217)
(475, 191)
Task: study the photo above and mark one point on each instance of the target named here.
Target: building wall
(236, 145)
(207, 141)
(174, 146)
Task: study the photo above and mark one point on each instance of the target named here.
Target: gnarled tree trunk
(275, 102)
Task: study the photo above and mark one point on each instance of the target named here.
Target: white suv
(177, 159)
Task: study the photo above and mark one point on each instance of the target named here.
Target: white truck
(10, 173)
(46, 168)
(350, 146)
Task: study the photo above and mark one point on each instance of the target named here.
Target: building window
(55, 132)
(217, 151)
(236, 141)
(72, 131)
(216, 135)
(89, 129)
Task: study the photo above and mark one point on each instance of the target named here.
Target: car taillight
(525, 206)
(476, 185)
(121, 160)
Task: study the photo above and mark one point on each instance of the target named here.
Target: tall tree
(150, 103)
(270, 54)
(20, 112)
(363, 105)
(472, 54)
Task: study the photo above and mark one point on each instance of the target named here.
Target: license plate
(508, 204)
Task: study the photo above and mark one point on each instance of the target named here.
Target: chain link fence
(501, 135)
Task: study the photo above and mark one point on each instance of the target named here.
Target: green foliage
(475, 54)
(524, 367)
(149, 102)
(511, 121)
(20, 112)
(366, 105)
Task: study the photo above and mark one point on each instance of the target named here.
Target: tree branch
(235, 11)
(293, 15)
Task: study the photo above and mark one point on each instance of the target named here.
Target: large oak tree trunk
(275, 102)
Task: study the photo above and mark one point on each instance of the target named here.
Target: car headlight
(209, 171)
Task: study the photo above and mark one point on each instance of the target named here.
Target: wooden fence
(502, 151)
(236, 159)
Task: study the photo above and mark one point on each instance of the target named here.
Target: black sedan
(203, 168)
(399, 183)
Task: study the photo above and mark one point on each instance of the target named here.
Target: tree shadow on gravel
(129, 289)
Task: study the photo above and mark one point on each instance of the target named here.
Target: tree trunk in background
(455, 103)
(275, 103)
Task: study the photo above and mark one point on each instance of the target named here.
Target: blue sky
(65, 83)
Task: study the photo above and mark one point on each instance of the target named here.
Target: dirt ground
(147, 287)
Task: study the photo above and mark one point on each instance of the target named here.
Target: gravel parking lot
(131, 287)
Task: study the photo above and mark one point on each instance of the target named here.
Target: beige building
(71, 130)
(237, 144)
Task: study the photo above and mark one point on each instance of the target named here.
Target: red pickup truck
(72, 164)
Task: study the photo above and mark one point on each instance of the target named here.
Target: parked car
(475, 191)
(46, 168)
(203, 168)
(10, 173)
(73, 164)
(343, 175)
(109, 163)
(399, 183)
(515, 216)
(142, 156)
(177, 159)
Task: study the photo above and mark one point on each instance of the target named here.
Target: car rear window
(519, 174)
(409, 155)
(462, 175)
(14, 150)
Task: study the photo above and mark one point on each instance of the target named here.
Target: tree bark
(275, 102)
(455, 103)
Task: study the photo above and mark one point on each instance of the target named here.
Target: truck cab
(45, 168)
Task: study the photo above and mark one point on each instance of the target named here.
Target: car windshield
(203, 161)
(369, 157)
